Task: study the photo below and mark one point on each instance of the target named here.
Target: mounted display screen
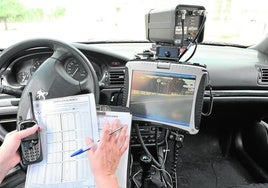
(162, 97)
(167, 94)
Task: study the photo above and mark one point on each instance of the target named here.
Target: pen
(78, 152)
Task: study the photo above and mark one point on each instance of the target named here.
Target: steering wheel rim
(51, 76)
(56, 82)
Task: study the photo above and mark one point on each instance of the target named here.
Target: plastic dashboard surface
(230, 68)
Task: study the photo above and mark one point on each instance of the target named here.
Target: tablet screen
(162, 97)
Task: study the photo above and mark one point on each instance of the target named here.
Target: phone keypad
(33, 151)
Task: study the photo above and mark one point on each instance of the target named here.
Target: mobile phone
(30, 148)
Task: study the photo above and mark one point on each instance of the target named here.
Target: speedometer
(75, 69)
(22, 78)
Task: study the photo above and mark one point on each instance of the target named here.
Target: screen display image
(162, 97)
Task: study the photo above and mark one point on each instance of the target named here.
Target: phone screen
(28, 124)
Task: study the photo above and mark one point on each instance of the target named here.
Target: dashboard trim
(238, 93)
(9, 105)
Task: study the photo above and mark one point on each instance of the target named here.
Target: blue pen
(78, 152)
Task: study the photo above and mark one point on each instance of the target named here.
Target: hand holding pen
(80, 151)
(104, 159)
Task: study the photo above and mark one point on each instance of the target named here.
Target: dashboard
(243, 69)
(236, 74)
(109, 69)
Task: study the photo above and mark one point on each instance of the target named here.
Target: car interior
(209, 128)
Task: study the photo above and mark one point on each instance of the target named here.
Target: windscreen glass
(228, 21)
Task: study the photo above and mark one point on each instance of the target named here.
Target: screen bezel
(176, 68)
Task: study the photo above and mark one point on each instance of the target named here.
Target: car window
(228, 21)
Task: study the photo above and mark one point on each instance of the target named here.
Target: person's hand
(105, 157)
(9, 157)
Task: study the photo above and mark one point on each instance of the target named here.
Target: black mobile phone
(30, 148)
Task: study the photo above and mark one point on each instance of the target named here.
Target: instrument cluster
(24, 68)
(109, 69)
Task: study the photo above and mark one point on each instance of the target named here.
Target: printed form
(66, 122)
(125, 119)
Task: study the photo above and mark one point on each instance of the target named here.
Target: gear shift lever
(149, 180)
(146, 163)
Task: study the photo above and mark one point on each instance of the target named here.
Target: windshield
(228, 21)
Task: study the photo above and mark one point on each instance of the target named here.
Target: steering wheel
(51, 78)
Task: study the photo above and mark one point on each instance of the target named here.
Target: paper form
(125, 119)
(66, 122)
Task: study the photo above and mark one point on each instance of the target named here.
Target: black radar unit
(178, 26)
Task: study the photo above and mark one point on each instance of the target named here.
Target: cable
(161, 159)
(144, 146)
(159, 166)
(134, 180)
(211, 97)
(166, 141)
(195, 44)
(166, 172)
(130, 170)
(182, 30)
(156, 143)
(131, 164)
(210, 106)
(183, 13)
(196, 36)
(201, 27)
(165, 157)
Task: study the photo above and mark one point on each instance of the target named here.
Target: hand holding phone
(30, 149)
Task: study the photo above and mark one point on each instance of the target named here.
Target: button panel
(148, 134)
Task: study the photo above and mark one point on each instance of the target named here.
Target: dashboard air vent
(263, 79)
(116, 77)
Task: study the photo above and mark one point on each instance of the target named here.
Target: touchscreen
(162, 97)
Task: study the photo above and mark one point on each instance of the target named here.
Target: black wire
(156, 143)
(160, 158)
(163, 174)
(210, 106)
(201, 28)
(196, 36)
(144, 147)
(148, 153)
(192, 53)
(182, 29)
